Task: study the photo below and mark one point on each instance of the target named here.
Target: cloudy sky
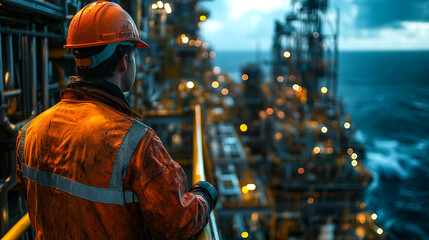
(365, 24)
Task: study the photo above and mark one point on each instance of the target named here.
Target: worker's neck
(116, 79)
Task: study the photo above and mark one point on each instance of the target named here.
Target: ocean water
(387, 95)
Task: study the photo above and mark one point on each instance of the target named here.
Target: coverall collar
(115, 97)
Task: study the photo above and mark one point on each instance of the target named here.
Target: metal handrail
(198, 174)
(18, 229)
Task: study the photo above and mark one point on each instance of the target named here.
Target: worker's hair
(106, 68)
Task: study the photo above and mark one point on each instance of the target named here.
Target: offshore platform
(281, 153)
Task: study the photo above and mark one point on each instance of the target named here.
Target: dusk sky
(365, 24)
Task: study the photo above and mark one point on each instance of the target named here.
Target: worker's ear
(123, 63)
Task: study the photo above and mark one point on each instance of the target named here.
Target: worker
(88, 167)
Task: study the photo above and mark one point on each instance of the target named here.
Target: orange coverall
(90, 169)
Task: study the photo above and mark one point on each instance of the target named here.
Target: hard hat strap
(98, 58)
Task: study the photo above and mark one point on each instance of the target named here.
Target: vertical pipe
(33, 73)
(4, 209)
(25, 76)
(45, 77)
(9, 53)
(2, 112)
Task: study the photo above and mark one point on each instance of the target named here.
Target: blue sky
(365, 24)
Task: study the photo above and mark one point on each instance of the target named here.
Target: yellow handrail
(198, 173)
(18, 229)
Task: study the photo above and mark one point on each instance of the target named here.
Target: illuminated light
(379, 231)
(310, 200)
(215, 84)
(203, 18)
(314, 124)
(198, 43)
(205, 54)
(296, 87)
(244, 189)
(7, 77)
(190, 84)
(301, 170)
(303, 100)
(154, 6)
(254, 216)
(350, 151)
(205, 45)
(330, 150)
(216, 70)
(243, 127)
(177, 139)
(160, 4)
(244, 77)
(363, 205)
(221, 78)
(354, 163)
(182, 36)
(354, 156)
(374, 216)
(262, 114)
(346, 125)
(185, 40)
(167, 7)
(251, 186)
(286, 54)
(269, 111)
(212, 54)
(316, 150)
(278, 136)
(225, 91)
(244, 234)
(280, 79)
(360, 217)
(324, 90)
(324, 129)
(360, 232)
(181, 87)
(281, 114)
(316, 35)
(192, 42)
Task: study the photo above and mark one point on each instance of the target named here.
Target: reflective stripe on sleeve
(125, 152)
(91, 193)
(22, 142)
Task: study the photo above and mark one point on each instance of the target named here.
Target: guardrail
(18, 229)
(211, 231)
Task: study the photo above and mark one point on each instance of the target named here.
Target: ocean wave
(389, 159)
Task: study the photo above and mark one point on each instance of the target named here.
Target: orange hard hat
(102, 23)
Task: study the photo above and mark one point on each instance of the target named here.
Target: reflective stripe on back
(112, 195)
(91, 193)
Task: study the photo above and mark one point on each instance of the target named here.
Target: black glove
(207, 191)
